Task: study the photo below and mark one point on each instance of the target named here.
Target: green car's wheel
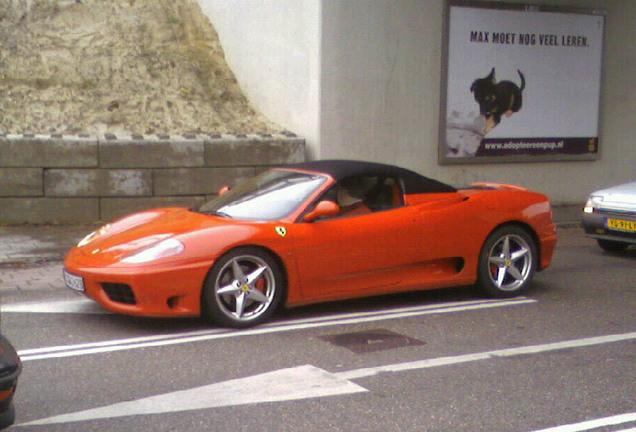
(612, 246)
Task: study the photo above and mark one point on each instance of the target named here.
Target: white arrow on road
(302, 382)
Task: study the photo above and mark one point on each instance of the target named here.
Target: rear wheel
(243, 288)
(612, 246)
(507, 262)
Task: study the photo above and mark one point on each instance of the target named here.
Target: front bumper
(596, 226)
(142, 290)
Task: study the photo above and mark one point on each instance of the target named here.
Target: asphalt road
(563, 356)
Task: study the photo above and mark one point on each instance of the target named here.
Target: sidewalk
(35, 245)
(31, 255)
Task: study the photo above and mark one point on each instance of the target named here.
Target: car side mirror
(223, 190)
(324, 209)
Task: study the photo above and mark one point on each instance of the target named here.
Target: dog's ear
(491, 77)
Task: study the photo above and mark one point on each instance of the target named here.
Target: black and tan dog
(497, 98)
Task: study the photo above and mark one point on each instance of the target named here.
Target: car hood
(143, 230)
(622, 196)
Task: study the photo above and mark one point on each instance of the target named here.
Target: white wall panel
(361, 79)
(273, 47)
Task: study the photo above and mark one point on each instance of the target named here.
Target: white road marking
(509, 352)
(593, 424)
(205, 335)
(79, 306)
(304, 382)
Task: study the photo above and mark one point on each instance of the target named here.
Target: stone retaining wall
(86, 178)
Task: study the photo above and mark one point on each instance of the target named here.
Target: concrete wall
(381, 64)
(89, 179)
(273, 48)
(377, 95)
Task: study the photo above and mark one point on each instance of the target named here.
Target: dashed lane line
(595, 424)
(508, 352)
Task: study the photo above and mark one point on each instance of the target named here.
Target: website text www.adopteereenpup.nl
(520, 145)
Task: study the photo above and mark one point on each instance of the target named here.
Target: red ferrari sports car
(313, 232)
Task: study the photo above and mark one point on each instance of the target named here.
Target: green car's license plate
(621, 225)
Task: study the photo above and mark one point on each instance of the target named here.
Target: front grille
(615, 213)
(120, 293)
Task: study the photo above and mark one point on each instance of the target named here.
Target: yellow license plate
(621, 225)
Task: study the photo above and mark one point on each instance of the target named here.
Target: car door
(359, 253)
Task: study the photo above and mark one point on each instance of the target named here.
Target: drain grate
(371, 340)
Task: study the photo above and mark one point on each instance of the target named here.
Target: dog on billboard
(496, 99)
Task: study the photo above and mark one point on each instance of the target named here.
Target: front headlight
(163, 249)
(86, 240)
(89, 238)
(592, 201)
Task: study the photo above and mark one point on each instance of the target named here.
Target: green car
(609, 216)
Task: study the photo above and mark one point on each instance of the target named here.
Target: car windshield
(271, 195)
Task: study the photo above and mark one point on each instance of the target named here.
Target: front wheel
(507, 262)
(243, 288)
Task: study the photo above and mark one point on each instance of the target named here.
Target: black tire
(507, 262)
(612, 246)
(8, 417)
(243, 288)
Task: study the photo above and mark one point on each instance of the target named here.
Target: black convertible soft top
(414, 183)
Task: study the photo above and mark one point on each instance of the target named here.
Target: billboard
(522, 83)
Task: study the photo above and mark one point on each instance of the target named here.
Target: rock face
(116, 66)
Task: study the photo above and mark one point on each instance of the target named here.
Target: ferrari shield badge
(281, 231)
